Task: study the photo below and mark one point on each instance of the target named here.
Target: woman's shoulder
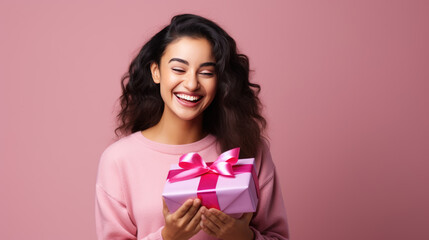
(264, 162)
(121, 146)
(109, 175)
(264, 153)
(115, 157)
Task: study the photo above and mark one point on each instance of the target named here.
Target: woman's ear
(154, 68)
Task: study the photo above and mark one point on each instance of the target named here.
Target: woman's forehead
(193, 50)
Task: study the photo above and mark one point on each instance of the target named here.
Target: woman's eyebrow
(179, 60)
(187, 63)
(208, 64)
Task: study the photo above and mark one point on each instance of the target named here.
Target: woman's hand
(220, 225)
(184, 222)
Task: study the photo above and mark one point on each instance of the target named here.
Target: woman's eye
(207, 73)
(178, 70)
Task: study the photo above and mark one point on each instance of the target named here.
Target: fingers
(211, 220)
(179, 213)
(218, 217)
(195, 222)
(184, 222)
(221, 225)
(191, 212)
(208, 226)
(207, 230)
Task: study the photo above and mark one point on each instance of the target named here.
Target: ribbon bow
(195, 166)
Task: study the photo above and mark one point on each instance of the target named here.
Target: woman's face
(187, 78)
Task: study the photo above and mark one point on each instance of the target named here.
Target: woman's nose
(191, 82)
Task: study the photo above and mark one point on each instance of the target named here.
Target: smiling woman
(187, 90)
(187, 79)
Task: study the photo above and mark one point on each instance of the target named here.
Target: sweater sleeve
(112, 217)
(269, 222)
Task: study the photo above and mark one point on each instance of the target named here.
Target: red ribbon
(193, 165)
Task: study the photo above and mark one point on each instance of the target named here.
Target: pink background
(345, 89)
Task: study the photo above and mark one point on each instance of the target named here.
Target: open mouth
(188, 98)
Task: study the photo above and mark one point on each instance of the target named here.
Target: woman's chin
(190, 117)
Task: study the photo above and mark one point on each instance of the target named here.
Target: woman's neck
(176, 131)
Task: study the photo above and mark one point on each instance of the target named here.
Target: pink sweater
(130, 181)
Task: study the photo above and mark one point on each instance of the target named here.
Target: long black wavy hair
(234, 116)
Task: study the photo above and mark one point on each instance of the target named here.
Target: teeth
(187, 97)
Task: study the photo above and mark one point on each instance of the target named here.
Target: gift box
(228, 184)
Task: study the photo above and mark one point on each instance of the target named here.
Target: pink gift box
(237, 194)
